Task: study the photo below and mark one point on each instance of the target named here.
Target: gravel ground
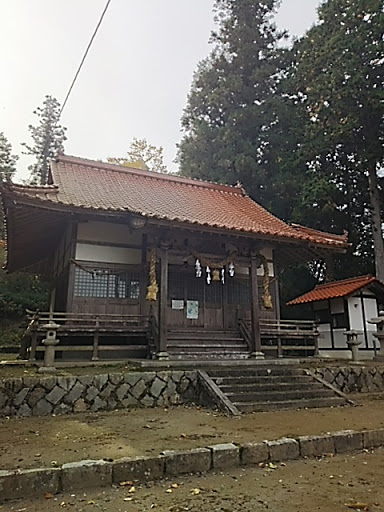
(330, 484)
(37, 442)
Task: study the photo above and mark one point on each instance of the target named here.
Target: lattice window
(100, 284)
(238, 291)
(214, 293)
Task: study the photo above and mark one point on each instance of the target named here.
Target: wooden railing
(284, 336)
(154, 332)
(245, 332)
(82, 325)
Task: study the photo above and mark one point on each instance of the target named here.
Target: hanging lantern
(216, 275)
(209, 279)
(231, 269)
(198, 268)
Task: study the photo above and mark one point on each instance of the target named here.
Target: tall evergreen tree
(7, 169)
(231, 106)
(338, 78)
(7, 160)
(48, 139)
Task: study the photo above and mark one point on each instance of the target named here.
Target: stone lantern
(353, 343)
(50, 342)
(379, 334)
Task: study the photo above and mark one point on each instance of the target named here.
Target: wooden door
(213, 305)
(190, 296)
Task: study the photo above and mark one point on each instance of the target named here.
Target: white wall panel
(108, 232)
(106, 254)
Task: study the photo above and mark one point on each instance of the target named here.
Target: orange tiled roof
(335, 289)
(87, 184)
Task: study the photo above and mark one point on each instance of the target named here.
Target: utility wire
(85, 55)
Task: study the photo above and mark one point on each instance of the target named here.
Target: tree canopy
(7, 170)
(338, 80)
(7, 159)
(48, 138)
(231, 106)
(301, 128)
(142, 155)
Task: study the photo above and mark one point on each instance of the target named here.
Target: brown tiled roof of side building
(335, 289)
(81, 183)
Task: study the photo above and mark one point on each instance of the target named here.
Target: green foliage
(11, 331)
(293, 283)
(301, 129)
(20, 291)
(142, 155)
(231, 106)
(48, 140)
(7, 170)
(7, 160)
(337, 81)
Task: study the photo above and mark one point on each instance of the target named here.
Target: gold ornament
(216, 275)
(152, 289)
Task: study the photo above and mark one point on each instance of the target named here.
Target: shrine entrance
(192, 302)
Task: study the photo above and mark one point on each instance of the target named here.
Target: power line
(85, 55)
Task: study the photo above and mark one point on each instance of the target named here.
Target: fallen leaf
(128, 499)
(175, 486)
(169, 491)
(124, 484)
(132, 489)
(359, 506)
(91, 502)
(195, 491)
(48, 496)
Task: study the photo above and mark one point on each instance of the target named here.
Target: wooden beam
(163, 346)
(256, 352)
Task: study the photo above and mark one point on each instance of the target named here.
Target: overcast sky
(135, 80)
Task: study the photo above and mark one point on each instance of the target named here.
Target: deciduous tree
(142, 155)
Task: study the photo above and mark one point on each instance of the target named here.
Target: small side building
(344, 305)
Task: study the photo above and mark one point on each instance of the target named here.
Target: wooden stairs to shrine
(269, 388)
(201, 344)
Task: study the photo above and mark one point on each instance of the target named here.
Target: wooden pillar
(163, 346)
(256, 352)
(52, 302)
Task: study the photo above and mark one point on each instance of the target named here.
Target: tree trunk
(376, 222)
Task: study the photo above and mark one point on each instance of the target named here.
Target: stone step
(209, 356)
(265, 371)
(261, 380)
(261, 388)
(279, 396)
(200, 337)
(207, 347)
(289, 404)
(208, 344)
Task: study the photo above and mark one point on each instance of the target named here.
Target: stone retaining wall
(33, 396)
(354, 379)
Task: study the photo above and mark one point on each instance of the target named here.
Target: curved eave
(331, 244)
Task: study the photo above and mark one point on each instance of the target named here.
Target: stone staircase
(201, 343)
(269, 388)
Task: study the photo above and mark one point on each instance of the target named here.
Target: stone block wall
(354, 379)
(33, 396)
